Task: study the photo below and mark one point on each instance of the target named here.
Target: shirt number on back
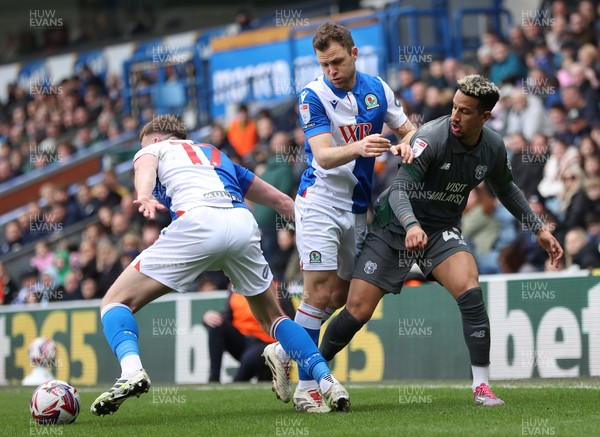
(197, 156)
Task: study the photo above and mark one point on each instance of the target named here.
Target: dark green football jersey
(443, 173)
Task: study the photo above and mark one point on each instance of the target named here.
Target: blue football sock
(120, 330)
(314, 336)
(301, 348)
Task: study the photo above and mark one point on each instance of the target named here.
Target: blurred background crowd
(549, 115)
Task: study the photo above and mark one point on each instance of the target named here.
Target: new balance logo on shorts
(478, 334)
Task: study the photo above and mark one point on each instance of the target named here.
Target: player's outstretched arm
(330, 156)
(404, 133)
(145, 179)
(267, 195)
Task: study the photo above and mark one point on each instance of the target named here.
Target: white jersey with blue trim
(192, 174)
(349, 117)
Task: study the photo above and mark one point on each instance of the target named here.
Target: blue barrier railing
(442, 41)
(495, 13)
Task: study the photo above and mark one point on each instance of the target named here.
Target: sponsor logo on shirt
(305, 113)
(355, 132)
(371, 101)
(418, 146)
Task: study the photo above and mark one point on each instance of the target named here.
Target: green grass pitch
(403, 408)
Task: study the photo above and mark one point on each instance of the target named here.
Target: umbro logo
(334, 104)
(445, 166)
(478, 334)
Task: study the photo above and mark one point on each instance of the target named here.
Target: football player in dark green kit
(417, 221)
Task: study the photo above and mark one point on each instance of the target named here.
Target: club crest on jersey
(314, 257)
(418, 146)
(371, 101)
(370, 267)
(305, 113)
(480, 171)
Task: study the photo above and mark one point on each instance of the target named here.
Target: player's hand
(148, 206)
(373, 146)
(212, 319)
(405, 151)
(416, 239)
(550, 245)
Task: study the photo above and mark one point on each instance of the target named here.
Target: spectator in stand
(242, 133)
(278, 173)
(130, 242)
(557, 34)
(575, 240)
(436, 75)
(435, 104)
(562, 157)
(108, 266)
(105, 195)
(150, 233)
(89, 288)
(13, 239)
(558, 120)
(44, 257)
(218, 138)
(579, 30)
(119, 226)
(87, 205)
(573, 99)
(588, 257)
(520, 45)
(8, 288)
(87, 260)
(574, 202)
(72, 287)
(29, 286)
(406, 78)
(299, 159)
(577, 127)
(506, 66)
(105, 216)
(527, 162)
(591, 166)
(526, 115)
(109, 178)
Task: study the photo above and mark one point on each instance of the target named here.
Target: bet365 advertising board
(542, 326)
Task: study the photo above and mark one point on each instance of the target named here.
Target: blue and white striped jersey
(194, 174)
(348, 117)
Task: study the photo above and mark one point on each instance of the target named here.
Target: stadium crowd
(549, 115)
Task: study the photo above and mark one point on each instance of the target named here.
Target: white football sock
(326, 383)
(307, 385)
(481, 375)
(130, 364)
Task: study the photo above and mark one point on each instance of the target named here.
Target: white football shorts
(207, 239)
(328, 238)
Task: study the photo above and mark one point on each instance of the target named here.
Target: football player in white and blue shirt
(342, 113)
(213, 230)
